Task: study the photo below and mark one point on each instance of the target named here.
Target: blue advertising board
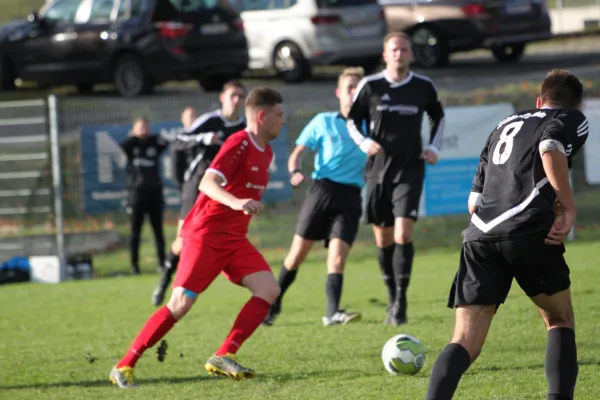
(104, 167)
(448, 185)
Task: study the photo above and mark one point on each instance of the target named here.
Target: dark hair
(561, 89)
(233, 84)
(262, 97)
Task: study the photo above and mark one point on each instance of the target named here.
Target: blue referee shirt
(338, 158)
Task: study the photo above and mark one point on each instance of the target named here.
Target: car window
(193, 5)
(136, 8)
(94, 11)
(61, 11)
(343, 3)
(255, 5)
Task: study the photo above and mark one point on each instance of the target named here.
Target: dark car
(441, 27)
(134, 44)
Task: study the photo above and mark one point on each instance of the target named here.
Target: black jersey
(393, 112)
(143, 166)
(193, 149)
(514, 196)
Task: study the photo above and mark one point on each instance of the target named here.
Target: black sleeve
(359, 113)
(566, 133)
(161, 143)
(127, 145)
(435, 111)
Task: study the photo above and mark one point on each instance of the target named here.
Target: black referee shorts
(487, 268)
(189, 193)
(387, 201)
(330, 210)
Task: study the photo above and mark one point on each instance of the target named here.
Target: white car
(292, 36)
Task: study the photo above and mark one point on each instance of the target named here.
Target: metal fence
(43, 212)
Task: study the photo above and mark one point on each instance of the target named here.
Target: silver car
(292, 36)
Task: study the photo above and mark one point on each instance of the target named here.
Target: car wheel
(290, 64)
(430, 48)
(509, 53)
(129, 76)
(7, 76)
(214, 83)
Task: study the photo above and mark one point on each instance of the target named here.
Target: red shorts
(200, 263)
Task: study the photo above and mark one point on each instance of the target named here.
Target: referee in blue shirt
(333, 205)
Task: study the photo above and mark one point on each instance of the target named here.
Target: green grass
(48, 331)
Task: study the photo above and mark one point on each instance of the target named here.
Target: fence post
(57, 184)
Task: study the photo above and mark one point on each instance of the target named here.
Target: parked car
(441, 27)
(292, 36)
(134, 44)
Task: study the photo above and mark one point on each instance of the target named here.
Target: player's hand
(561, 227)
(430, 157)
(297, 178)
(375, 148)
(215, 139)
(248, 206)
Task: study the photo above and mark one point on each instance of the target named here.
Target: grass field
(51, 334)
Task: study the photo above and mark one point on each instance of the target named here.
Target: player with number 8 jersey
(516, 200)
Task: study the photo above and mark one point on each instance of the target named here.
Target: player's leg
(136, 213)
(170, 267)
(190, 282)
(543, 274)
(313, 224)
(406, 196)
(480, 286)
(287, 275)
(156, 214)
(379, 214)
(189, 192)
(343, 233)
(249, 269)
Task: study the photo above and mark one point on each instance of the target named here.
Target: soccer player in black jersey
(145, 189)
(393, 103)
(200, 143)
(517, 231)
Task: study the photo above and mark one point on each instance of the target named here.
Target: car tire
(508, 53)
(214, 83)
(430, 49)
(290, 64)
(129, 76)
(7, 76)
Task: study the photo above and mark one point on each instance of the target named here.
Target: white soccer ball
(403, 354)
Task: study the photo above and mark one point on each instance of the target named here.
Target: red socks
(249, 318)
(159, 324)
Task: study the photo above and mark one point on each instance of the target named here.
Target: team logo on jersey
(151, 152)
(244, 143)
(385, 97)
(255, 169)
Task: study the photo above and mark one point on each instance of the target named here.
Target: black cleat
(272, 315)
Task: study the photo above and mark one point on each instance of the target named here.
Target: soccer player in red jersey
(214, 242)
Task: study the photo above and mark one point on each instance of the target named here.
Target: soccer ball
(403, 354)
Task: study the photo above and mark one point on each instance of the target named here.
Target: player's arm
(436, 115)
(188, 141)
(561, 140)
(308, 139)
(360, 112)
(221, 171)
(479, 179)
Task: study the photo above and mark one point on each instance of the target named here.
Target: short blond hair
(396, 35)
(351, 72)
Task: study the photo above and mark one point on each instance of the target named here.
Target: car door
(43, 55)
(95, 34)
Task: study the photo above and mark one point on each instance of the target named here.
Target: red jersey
(244, 167)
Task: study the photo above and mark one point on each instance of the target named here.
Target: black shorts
(189, 193)
(486, 271)
(330, 210)
(387, 201)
